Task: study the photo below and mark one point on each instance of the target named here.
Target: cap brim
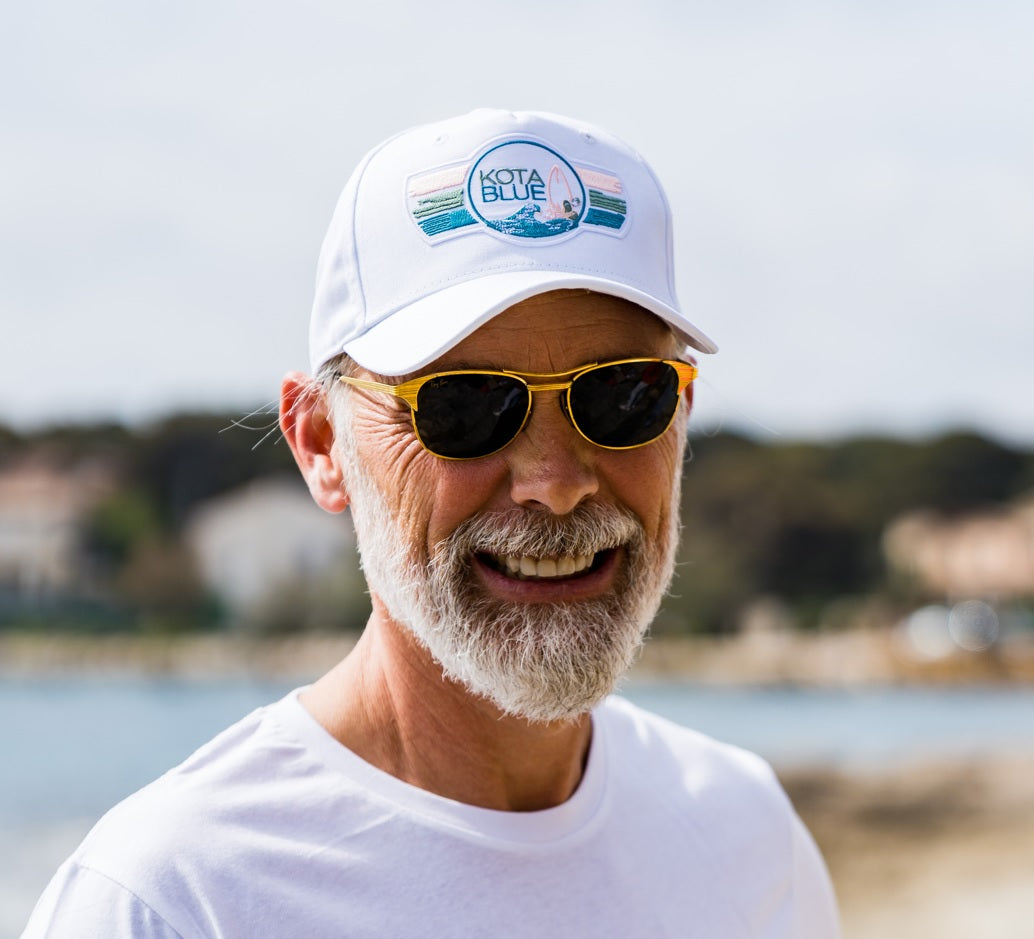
(436, 323)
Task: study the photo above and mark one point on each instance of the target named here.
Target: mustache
(589, 528)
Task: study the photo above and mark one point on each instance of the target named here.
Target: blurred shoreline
(846, 657)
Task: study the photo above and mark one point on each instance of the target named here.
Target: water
(868, 728)
(73, 747)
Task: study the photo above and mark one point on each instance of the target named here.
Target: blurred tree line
(801, 522)
(137, 573)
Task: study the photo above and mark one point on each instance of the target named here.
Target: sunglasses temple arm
(407, 391)
(687, 374)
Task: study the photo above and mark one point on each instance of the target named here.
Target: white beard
(538, 661)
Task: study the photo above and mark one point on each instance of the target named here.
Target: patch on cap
(519, 189)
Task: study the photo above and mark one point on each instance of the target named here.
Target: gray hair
(334, 392)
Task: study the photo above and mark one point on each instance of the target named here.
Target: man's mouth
(526, 567)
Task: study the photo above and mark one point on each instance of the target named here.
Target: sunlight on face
(435, 537)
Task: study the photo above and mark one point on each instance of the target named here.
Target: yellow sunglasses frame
(409, 390)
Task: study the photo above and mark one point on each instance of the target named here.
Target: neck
(389, 703)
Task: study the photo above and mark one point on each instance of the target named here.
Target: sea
(73, 747)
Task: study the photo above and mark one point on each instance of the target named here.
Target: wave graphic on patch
(527, 224)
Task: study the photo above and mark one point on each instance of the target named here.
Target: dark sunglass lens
(470, 415)
(625, 405)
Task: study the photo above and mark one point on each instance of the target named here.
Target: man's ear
(309, 432)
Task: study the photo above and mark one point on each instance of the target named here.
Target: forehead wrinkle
(510, 346)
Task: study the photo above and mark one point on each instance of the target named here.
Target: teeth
(546, 567)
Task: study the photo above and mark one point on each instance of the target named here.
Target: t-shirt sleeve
(815, 902)
(80, 903)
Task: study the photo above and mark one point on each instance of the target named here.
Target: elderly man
(500, 396)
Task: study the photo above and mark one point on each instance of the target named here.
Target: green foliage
(118, 522)
(67, 446)
(186, 460)
(799, 521)
(804, 521)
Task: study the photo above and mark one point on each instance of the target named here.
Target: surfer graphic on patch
(561, 201)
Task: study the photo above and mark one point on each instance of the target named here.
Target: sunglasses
(464, 415)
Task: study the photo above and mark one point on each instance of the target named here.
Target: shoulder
(187, 833)
(84, 904)
(717, 794)
(683, 756)
(727, 800)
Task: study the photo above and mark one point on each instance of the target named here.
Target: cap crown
(484, 210)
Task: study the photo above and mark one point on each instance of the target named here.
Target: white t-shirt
(275, 829)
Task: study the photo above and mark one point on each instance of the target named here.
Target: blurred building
(988, 554)
(265, 543)
(42, 510)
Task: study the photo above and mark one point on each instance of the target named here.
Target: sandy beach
(938, 851)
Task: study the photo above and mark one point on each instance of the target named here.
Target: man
(501, 391)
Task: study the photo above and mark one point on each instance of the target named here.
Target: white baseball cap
(446, 225)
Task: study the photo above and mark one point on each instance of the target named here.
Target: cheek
(644, 480)
(429, 497)
(460, 490)
(409, 484)
(394, 463)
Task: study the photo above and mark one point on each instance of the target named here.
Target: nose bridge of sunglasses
(564, 388)
(550, 386)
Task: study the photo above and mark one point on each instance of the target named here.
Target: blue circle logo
(525, 190)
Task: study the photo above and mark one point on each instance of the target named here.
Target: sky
(852, 185)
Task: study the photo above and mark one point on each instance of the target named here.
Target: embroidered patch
(518, 189)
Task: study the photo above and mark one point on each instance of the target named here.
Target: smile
(525, 567)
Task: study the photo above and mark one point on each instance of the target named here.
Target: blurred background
(854, 224)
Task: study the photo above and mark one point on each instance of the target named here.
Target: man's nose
(551, 465)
